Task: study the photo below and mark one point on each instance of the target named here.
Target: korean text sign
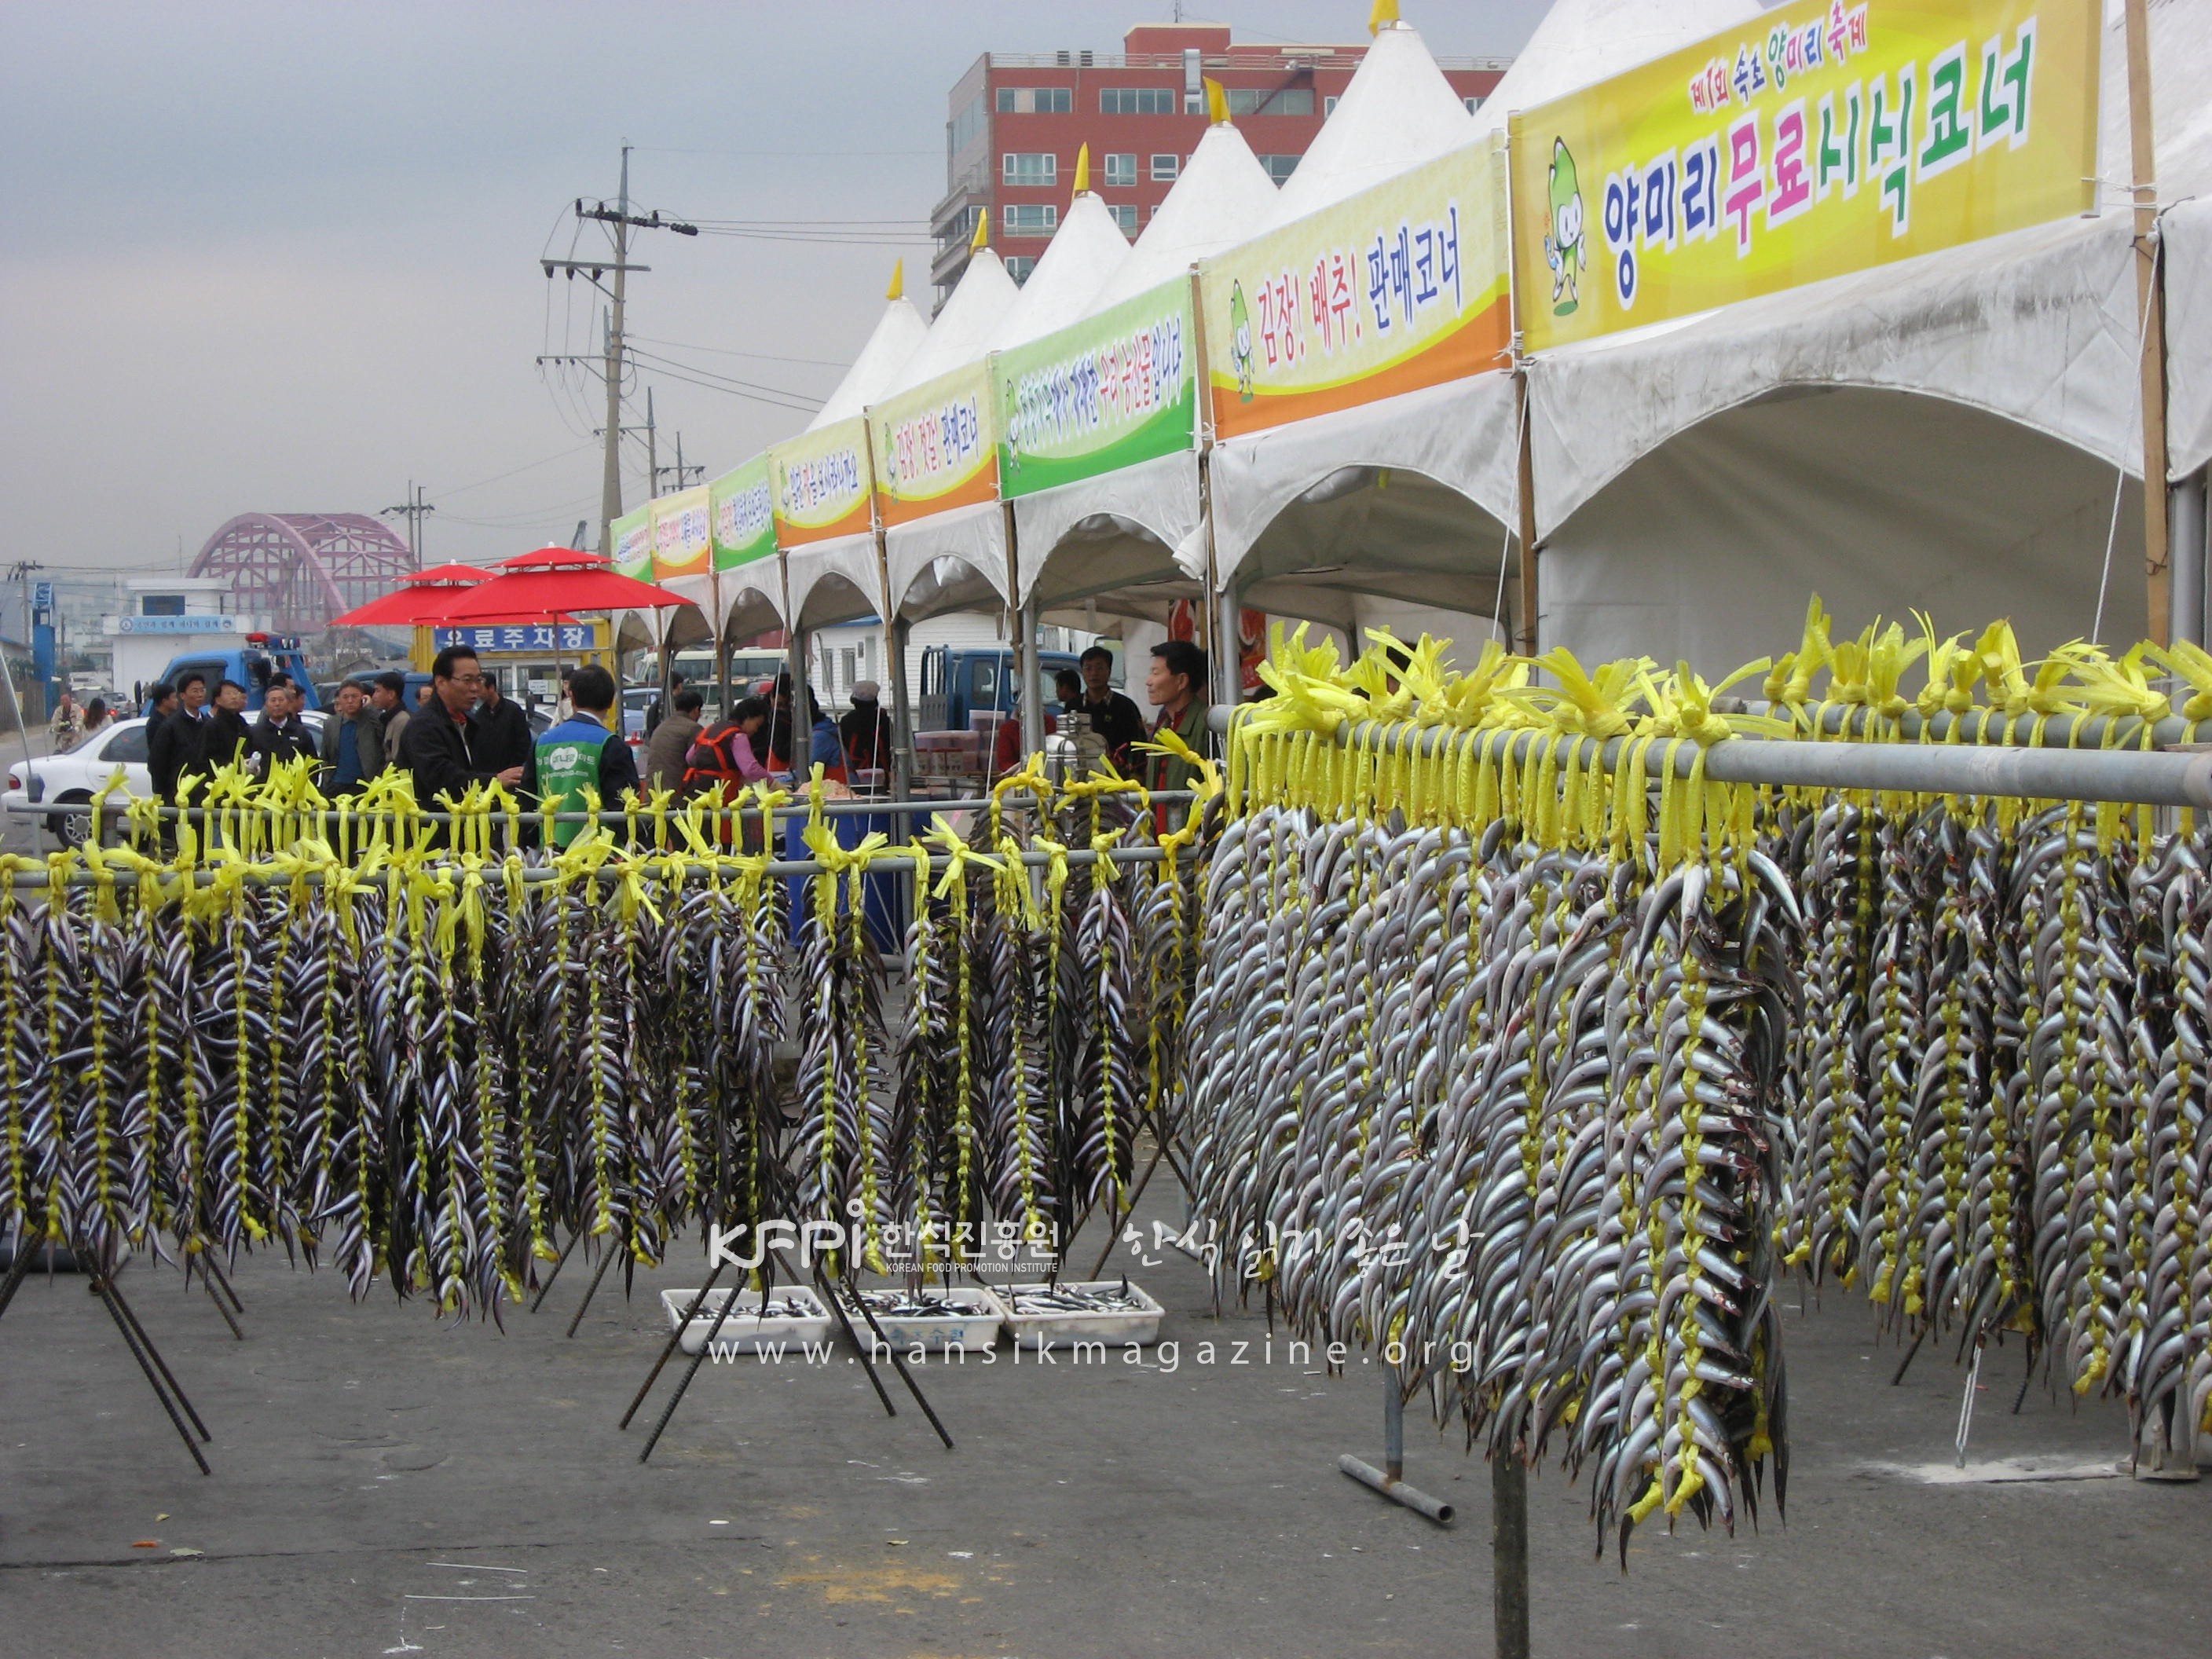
(492, 638)
(1101, 394)
(821, 483)
(937, 445)
(633, 539)
(1820, 138)
(742, 516)
(1401, 286)
(681, 540)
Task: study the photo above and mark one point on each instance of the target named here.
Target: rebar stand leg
(845, 1323)
(1508, 1553)
(2020, 1398)
(210, 1267)
(606, 1261)
(152, 1382)
(899, 1365)
(1904, 1364)
(113, 1293)
(18, 1271)
(675, 1341)
(668, 1412)
(538, 1301)
(215, 1297)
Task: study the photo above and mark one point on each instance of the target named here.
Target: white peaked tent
(1960, 432)
(956, 560)
(978, 305)
(1118, 534)
(1352, 517)
(1398, 112)
(897, 335)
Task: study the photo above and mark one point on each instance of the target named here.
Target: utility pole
(652, 453)
(683, 474)
(623, 220)
(415, 509)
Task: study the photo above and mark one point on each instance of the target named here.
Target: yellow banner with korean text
(1401, 286)
(937, 446)
(1817, 139)
(683, 536)
(821, 483)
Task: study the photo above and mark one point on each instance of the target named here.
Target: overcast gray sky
(284, 257)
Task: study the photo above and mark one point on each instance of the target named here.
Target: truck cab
(961, 681)
(253, 666)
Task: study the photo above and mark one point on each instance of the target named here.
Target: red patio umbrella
(420, 601)
(556, 581)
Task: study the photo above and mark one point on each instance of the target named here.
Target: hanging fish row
(429, 1079)
(1502, 1112)
(2000, 1080)
(1038, 1041)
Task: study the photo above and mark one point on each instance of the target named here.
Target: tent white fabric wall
(897, 335)
(2000, 367)
(1583, 41)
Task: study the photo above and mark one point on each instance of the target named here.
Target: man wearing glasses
(435, 747)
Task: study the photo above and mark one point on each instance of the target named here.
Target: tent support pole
(2150, 304)
(1031, 706)
(1524, 493)
(2185, 525)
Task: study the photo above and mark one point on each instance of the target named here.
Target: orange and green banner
(1402, 286)
(937, 445)
(742, 516)
(1817, 139)
(681, 539)
(821, 484)
(1099, 395)
(633, 538)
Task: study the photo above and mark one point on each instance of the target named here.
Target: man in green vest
(585, 752)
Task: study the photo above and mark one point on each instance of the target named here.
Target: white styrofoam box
(971, 1321)
(745, 1331)
(1050, 1328)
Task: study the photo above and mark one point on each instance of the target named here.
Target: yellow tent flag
(1384, 14)
(1217, 103)
(1083, 169)
(981, 239)
(897, 289)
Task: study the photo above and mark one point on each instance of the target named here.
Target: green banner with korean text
(1099, 395)
(681, 542)
(820, 483)
(1816, 139)
(937, 445)
(742, 515)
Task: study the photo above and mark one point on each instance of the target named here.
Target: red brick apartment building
(1017, 122)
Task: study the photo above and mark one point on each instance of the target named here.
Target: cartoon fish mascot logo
(1564, 250)
(1240, 336)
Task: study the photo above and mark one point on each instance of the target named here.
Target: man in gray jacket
(671, 740)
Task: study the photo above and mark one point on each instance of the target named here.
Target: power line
(736, 381)
(729, 351)
(690, 375)
(462, 489)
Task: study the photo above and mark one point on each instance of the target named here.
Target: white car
(78, 775)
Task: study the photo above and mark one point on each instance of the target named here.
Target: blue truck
(252, 664)
(957, 681)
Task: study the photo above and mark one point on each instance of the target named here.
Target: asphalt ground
(386, 1484)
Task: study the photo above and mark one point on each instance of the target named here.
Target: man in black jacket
(280, 734)
(499, 734)
(169, 746)
(437, 746)
(225, 737)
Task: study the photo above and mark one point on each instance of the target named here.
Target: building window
(1028, 219)
(162, 605)
(1280, 101)
(1124, 214)
(1137, 101)
(1020, 267)
(1279, 167)
(1121, 170)
(1034, 100)
(1472, 104)
(966, 127)
(1029, 167)
(1328, 106)
(1166, 168)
